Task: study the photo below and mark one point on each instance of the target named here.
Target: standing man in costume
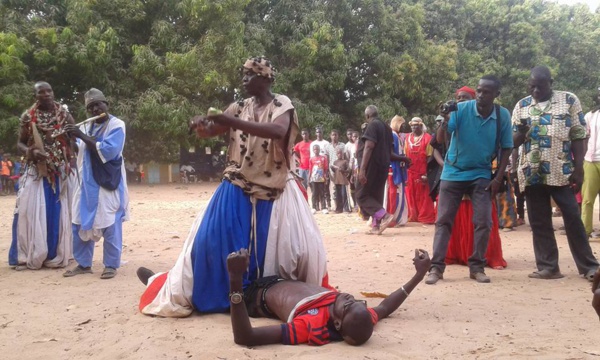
(258, 205)
(550, 126)
(477, 129)
(101, 201)
(374, 155)
(418, 150)
(41, 226)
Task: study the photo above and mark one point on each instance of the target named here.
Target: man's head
(96, 103)
(371, 113)
(352, 319)
(488, 89)
(416, 125)
(540, 83)
(465, 93)
(355, 136)
(43, 93)
(258, 75)
(316, 149)
(349, 135)
(396, 123)
(334, 136)
(319, 133)
(305, 134)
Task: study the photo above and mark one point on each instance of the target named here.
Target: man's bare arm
(393, 302)
(438, 157)
(243, 332)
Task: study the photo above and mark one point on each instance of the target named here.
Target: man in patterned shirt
(551, 128)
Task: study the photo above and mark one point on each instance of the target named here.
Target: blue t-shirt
(473, 142)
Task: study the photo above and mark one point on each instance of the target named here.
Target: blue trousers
(83, 251)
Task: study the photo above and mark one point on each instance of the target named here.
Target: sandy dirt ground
(46, 316)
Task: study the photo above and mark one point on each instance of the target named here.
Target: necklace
(417, 140)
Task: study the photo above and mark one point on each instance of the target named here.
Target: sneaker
(314, 211)
(507, 229)
(433, 276)
(385, 222)
(480, 277)
(325, 211)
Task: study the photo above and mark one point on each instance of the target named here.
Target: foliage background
(161, 61)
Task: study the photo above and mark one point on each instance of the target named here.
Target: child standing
(318, 176)
(341, 172)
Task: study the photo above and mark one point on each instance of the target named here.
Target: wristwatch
(236, 297)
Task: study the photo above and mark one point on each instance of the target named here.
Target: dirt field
(46, 316)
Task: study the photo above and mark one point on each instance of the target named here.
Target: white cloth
(592, 120)
(32, 227)
(294, 250)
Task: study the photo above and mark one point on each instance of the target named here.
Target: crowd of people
(256, 250)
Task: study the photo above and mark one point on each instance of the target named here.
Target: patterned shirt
(546, 158)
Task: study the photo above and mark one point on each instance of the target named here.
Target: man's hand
(73, 130)
(36, 154)
(237, 263)
(199, 124)
(362, 178)
(494, 187)
(576, 179)
(422, 262)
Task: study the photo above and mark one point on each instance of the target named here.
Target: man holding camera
(478, 128)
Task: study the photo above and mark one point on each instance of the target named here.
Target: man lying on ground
(313, 314)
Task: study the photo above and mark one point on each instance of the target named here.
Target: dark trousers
(341, 199)
(370, 195)
(318, 189)
(327, 194)
(451, 194)
(520, 201)
(539, 211)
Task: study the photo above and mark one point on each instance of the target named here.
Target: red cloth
(392, 196)
(420, 205)
(311, 323)
(460, 247)
(467, 90)
(303, 149)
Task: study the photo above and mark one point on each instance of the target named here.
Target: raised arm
(243, 332)
(393, 302)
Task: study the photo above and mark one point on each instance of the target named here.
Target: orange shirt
(6, 166)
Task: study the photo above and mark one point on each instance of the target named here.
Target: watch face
(235, 298)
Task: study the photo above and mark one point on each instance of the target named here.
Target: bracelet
(404, 291)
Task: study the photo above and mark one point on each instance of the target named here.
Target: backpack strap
(498, 129)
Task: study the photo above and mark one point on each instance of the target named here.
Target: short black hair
(335, 131)
(305, 129)
(541, 72)
(349, 130)
(494, 79)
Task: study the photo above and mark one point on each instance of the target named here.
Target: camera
(449, 107)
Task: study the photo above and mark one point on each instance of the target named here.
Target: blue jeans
(451, 194)
(304, 175)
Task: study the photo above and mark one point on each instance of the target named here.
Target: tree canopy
(160, 62)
